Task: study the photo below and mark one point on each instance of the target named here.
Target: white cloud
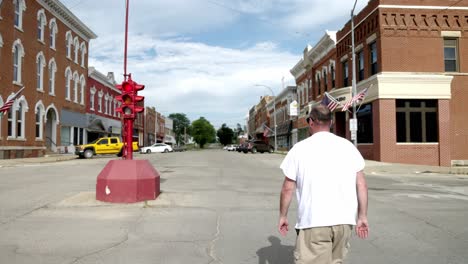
(196, 78)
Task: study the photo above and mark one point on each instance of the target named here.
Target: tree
(202, 131)
(181, 126)
(225, 134)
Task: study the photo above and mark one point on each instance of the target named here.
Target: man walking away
(327, 173)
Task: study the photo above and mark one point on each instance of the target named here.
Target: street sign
(353, 124)
(293, 108)
(353, 134)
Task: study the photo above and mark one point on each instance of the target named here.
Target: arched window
(83, 53)
(16, 118)
(76, 80)
(18, 54)
(52, 71)
(82, 89)
(40, 65)
(41, 23)
(20, 7)
(39, 111)
(68, 77)
(76, 45)
(68, 43)
(100, 94)
(91, 98)
(53, 32)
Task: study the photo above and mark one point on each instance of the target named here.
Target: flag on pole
(330, 102)
(267, 131)
(7, 105)
(357, 98)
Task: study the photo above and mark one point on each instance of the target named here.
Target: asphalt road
(215, 207)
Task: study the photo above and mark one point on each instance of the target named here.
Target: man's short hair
(320, 113)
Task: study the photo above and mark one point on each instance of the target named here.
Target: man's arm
(285, 200)
(362, 226)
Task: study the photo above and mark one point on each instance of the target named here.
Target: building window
(19, 122)
(365, 124)
(65, 136)
(451, 55)
(76, 45)
(68, 44)
(360, 62)
(373, 58)
(345, 73)
(20, 6)
(10, 122)
(40, 65)
(41, 23)
(82, 89)
(100, 103)
(52, 70)
(332, 71)
(18, 54)
(319, 91)
(75, 87)
(416, 121)
(68, 78)
(325, 81)
(53, 33)
(83, 53)
(91, 101)
(38, 124)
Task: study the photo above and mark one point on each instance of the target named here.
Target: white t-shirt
(324, 168)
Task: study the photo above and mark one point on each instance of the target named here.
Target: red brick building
(101, 106)
(43, 48)
(413, 57)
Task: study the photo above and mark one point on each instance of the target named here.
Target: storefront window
(365, 129)
(417, 121)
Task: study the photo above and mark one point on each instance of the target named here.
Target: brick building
(43, 48)
(102, 118)
(413, 57)
(150, 126)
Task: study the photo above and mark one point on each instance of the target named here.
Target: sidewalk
(371, 165)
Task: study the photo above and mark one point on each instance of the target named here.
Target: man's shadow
(276, 253)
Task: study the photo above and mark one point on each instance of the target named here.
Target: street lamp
(353, 122)
(274, 108)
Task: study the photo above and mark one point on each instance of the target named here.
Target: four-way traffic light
(129, 99)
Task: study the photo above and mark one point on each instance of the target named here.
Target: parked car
(231, 148)
(104, 145)
(260, 146)
(244, 147)
(179, 148)
(157, 147)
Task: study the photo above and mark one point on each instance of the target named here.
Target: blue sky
(203, 57)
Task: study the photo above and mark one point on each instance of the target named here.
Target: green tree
(225, 134)
(181, 126)
(202, 131)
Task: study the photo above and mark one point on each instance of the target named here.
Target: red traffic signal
(129, 99)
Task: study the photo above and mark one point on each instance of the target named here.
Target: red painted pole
(126, 38)
(129, 139)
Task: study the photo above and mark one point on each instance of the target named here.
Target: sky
(204, 58)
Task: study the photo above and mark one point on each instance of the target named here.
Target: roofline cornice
(68, 18)
(101, 78)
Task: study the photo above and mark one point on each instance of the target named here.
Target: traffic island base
(128, 181)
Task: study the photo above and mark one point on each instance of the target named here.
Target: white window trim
(40, 59)
(53, 66)
(53, 33)
(40, 106)
(76, 48)
(68, 78)
(20, 60)
(76, 80)
(68, 43)
(42, 19)
(82, 89)
(83, 53)
(22, 7)
(92, 98)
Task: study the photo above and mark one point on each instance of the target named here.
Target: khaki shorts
(322, 245)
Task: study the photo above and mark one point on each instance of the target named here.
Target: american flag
(330, 102)
(7, 105)
(358, 97)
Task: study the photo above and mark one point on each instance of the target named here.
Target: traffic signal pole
(128, 180)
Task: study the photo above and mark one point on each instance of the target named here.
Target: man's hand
(283, 226)
(362, 228)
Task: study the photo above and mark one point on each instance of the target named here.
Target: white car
(157, 147)
(231, 148)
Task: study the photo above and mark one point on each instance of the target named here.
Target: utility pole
(353, 122)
